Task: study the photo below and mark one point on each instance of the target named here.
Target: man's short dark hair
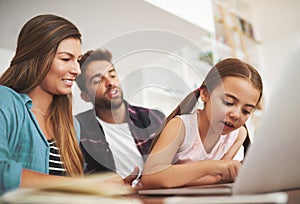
(88, 57)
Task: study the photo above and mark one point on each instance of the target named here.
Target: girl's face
(65, 68)
(230, 104)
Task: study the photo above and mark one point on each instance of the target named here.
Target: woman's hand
(128, 180)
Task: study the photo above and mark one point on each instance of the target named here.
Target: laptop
(272, 163)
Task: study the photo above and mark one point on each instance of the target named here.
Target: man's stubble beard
(106, 104)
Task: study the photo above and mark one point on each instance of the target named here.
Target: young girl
(197, 148)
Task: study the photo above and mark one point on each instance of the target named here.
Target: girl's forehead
(233, 81)
(237, 85)
(241, 89)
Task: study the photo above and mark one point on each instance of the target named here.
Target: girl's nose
(234, 113)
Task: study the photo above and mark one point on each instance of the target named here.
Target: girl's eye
(227, 103)
(246, 112)
(65, 59)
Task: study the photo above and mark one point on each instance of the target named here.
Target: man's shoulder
(88, 123)
(140, 110)
(86, 114)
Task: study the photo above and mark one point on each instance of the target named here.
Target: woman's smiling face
(64, 69)
(229, 105)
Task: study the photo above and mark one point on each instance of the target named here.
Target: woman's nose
(76, 68)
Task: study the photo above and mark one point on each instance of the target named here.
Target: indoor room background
(162, 49)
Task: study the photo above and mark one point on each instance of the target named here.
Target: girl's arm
(194, 173)
(163, 152)
(159, 171)
(236, 145)
(228, 156)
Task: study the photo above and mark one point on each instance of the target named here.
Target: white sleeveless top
(192, 148)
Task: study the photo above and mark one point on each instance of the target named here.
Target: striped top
(55, 164)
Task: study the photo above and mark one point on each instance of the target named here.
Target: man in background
(115, 136)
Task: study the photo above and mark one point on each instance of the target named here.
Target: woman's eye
(65, 59)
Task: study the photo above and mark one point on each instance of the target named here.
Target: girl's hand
(226, 169)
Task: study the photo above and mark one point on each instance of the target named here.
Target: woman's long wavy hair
(228, 67)
(36, 48)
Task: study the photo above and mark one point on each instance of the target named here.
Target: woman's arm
(33, 179)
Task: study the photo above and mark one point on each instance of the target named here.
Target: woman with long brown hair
(37, 133)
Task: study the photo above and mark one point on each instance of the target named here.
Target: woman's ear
(204, 95)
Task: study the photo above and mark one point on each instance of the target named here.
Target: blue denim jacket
(22, 143)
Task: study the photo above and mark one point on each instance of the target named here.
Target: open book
(90, 189)
(96, 184)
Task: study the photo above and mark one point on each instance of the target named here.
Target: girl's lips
(228, 126)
